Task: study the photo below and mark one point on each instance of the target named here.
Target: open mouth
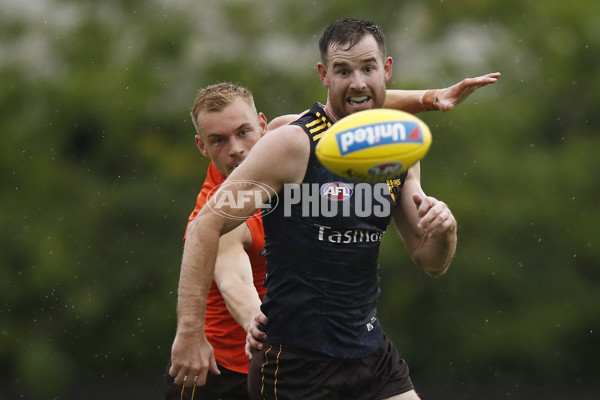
(234, 166)
(358, 100)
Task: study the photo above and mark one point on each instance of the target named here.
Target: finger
(424, 204)
(173, 370)
(443, 227)
(214, 368)
(198, 379)
(427, 219)
(485, 80)
(190, 380)
(254, 341)
(255, 330)
(417, 199)
(429, 212)
(261, 319)
(248, 350)
(439, 222)
(258, 334)
(248, 346)
(448, 225)
(180, 378)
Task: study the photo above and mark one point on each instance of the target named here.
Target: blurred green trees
(100, 171)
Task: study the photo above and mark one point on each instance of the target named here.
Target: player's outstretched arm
(416, 101)
(446, 99)
(191, 354)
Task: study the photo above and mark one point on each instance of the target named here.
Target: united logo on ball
(374, 145)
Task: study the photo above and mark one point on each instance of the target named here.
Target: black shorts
(287, 373)
(230, 385)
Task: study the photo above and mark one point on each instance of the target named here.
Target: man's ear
(201, 146)
(387, 68)
(262, 123)
(323, 74)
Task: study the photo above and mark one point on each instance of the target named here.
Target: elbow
(435, 267)
(435, 270)
(206, 222)
(435, 260)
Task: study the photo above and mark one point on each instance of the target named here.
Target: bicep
(275, 160)
(233, 264)
(278, 158)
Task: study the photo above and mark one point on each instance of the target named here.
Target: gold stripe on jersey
(313, 123)
(395, 186)
(318, 126)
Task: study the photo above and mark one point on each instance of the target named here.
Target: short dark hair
(348, 32)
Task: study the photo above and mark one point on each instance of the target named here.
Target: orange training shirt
(226, 336)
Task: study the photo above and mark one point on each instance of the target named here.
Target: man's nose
(236, 147)
(357, 81)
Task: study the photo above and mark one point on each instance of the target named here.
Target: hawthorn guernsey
(322, 249)
(374, 145)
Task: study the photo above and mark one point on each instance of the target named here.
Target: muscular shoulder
(290, 138)
(289, 149)
(284, 120)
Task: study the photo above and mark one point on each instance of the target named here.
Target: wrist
(428, 99)
(190, 324)
(249, 318)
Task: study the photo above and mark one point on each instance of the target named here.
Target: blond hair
(215, 98)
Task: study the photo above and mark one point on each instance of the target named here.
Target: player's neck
(330, 113)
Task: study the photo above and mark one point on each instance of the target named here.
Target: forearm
(242, 302)
(411, 101)
(435, 252)
(445, 99)
(427, 226)
(195, 278)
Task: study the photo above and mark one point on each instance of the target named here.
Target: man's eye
(245, 132)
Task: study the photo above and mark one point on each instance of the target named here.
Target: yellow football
(374, 145)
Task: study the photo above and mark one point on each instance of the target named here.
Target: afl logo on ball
(336, 191)
(385, 168)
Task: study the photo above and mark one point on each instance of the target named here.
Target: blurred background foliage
(100, 171)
